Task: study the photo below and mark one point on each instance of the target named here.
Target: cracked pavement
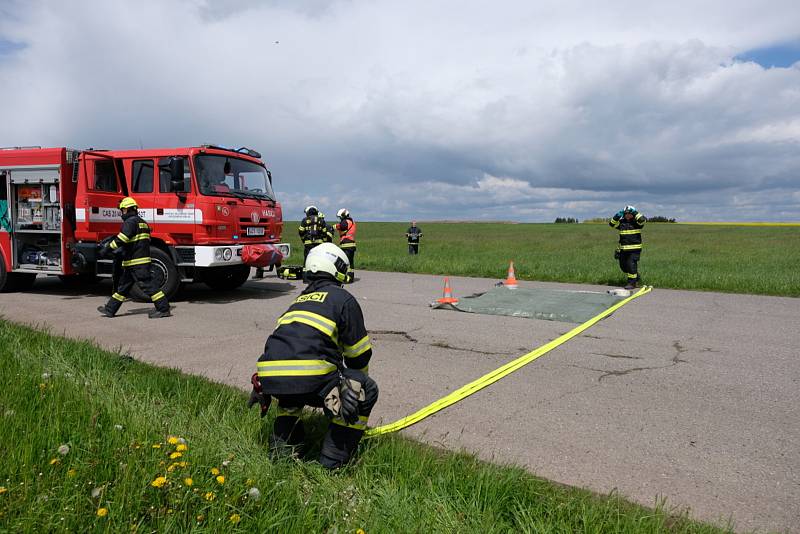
(688, 396)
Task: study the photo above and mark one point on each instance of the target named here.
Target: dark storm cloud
(437, 110)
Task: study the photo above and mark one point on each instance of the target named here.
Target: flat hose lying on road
(493, 376)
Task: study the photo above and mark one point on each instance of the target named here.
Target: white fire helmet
(328, 258)
(343, 213)
(310, 208)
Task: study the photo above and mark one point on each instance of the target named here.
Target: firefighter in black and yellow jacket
(629, 222)
(133, 244)
(347, 238)
(313, 230)
(318, 356)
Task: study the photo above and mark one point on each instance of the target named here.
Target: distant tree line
(566, 220)
(657, 218)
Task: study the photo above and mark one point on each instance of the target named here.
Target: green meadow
(93, 441)
(752, 259)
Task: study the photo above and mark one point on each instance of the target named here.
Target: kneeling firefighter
(133, 244)
(318, 356)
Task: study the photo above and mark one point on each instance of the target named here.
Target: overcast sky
(518, 110)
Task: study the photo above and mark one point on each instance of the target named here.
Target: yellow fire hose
(493, 376)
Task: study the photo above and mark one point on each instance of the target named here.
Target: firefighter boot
(112, 306)
(162, 309)
(105, 312)
(339, 446)
(158, 314)
(287, 438)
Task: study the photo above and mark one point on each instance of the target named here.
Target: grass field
(94, 441)
(730, 258)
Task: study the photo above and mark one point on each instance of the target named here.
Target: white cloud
(430, 109)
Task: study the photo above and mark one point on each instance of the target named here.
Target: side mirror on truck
(176, 175)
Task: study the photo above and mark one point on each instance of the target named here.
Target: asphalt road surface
(688, 396)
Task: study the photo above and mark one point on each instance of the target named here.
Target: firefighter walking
(313, 230)
(132, 243)
(347, 238)
(629, 222)
(318, 356)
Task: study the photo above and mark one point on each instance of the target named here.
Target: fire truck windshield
(230, 176)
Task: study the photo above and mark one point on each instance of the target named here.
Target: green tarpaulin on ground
(547, 304)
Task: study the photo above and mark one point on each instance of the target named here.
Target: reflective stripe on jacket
(134, 239)
(347, 233)
(321, 332)
(630, 232)
(313, 230)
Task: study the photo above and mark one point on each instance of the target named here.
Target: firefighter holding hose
(318, 356)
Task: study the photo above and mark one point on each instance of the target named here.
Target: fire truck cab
(205, 205)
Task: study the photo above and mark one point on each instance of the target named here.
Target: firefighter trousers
(413, 248)
(350, 252)
(341, 439)
(629, 263)
(138, 274)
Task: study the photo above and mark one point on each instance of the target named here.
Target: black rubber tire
(79, 280)
(226, 278)
(3, 275)
(164, 272)
(16, 281)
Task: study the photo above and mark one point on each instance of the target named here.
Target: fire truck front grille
(185, 254)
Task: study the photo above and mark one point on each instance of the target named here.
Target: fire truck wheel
(165, 274)
(3, 274)
(226, 278)
(18, 282)
(79, 280)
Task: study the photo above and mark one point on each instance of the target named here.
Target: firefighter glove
(619, 215)
(258, 396)
(349, 399)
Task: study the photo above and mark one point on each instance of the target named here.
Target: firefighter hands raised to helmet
(133, 244)
(318, 356)
(313, 230)
(629, 222)
(347, 238)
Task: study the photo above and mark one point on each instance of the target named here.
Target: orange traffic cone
(511, 280)
(447, 295)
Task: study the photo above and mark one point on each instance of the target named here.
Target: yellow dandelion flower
(235, 518)
(42, 387)
(156, 445)
(54, 461)
(214, 471)
(181, 447)
(3, 489)
(360, 531)
(181, 464)
(250, 482)
(209, 496)
(221, 479)
(72, 472)
(158, 482)
(175, 455)
(171, 468)
(102, 512)
(172, 440)
(188, 481)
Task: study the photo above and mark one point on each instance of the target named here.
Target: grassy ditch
(729, 258)
(95, 441)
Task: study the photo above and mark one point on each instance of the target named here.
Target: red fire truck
(205, 206)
